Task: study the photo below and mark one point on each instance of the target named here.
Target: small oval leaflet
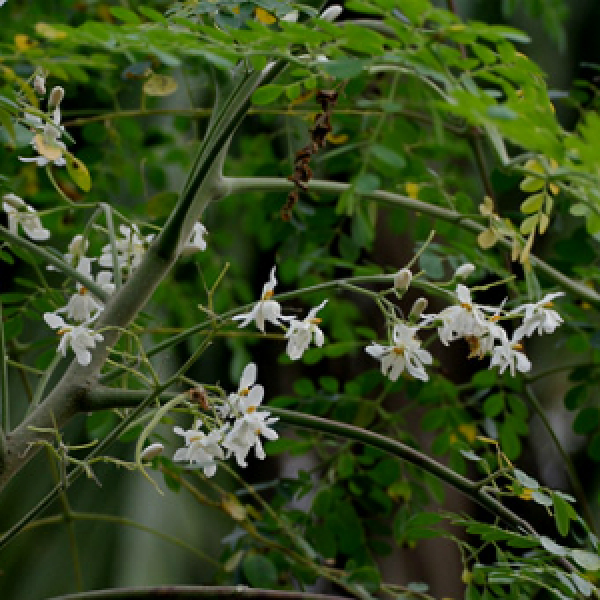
(78, 172)
(160, 85)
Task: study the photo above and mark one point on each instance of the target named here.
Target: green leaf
(259, 571)
(267, 94)
(529, 224)
(532, 184)
(345, 466)
(367, 577)
(493, 405)
(344, 68)
(152, 14)
(388, 156)
(501, 112)
(78, 172)
(586, 420)
(533, 203)
(525, 480)
(562, 512)
(365, 183)
(125, 15)
(99, 424)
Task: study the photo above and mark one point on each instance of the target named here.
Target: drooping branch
(101, 398)
(276, 184)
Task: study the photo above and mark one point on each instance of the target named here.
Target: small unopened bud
(464, 271)
(152, 451)
(417, 308)
(56, 96)
(331, 13)
(39, 84)
(200, 396)
(402, 279)
(13, 200)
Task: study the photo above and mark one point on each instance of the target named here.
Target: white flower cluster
(83, 307)
(299, 333)
(478, 325)
(240, 428)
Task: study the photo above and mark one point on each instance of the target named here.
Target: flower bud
(56, 96)
(152, 451)
(39, 84)
(291, 17)
(417, 308)
(331, 13)
(464, 271)
(402, 279)
(14, 201)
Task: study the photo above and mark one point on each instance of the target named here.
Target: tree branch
(174, 592)
(272, 184)
(102, 397)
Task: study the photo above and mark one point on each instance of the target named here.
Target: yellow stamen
(495, 318)
(548, 305)
(518, 346)
(82, 291)
(398, 350)
(63, 331)
(195, 438)
(268, 294)
(466, 306)
(244, 392)
(251, 409)
(315, 321)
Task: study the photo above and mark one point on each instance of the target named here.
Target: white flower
(79, 337)
(82, 305)
(300, 333)
(39, 83)
(20, 213)
(233, 403)
(200, 448)
(461, 320)
(130, 248)
(331, 13)
(248, 428)
(464, 271)
(265, 308)
(47, 142)
(508, 354)
(196, 243)
(77, 249)
(406, 353)
(538, 316)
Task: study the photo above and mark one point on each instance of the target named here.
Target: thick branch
(201, 188)
(174, 592)
(272, 184)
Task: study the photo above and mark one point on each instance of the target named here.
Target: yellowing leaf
(23, 43)
(527, 494)
(487, 440)
(412, 190)
(78, 172)
(544, 222)
(486, 239)
(159, 85)
(527, 250)
(529, 224)
(266, 18)
(533, 165)
(554, 189)
(469, 431)
(533, 203)
(302, 98)
(336, 139)
(49, 32)
(47, 150)
(532, 184)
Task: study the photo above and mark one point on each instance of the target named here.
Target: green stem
(96, 397)
(246, 184)
(52, 259)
